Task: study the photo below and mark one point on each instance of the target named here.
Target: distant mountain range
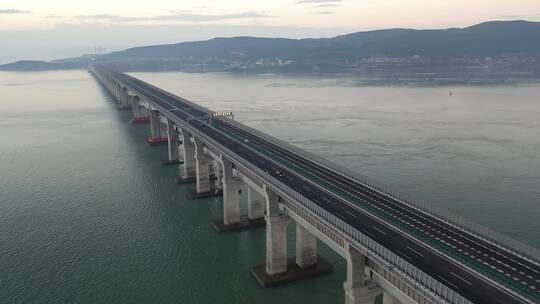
(508, 46)
(487, 39)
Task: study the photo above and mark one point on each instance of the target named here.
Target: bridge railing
(429, 286)
(465, 225)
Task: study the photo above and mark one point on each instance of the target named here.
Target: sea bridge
(408, 252)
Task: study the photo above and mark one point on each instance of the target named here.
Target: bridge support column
(124, 99)
(231, 194)
(256, 204)
(276, 239)
(389, 299)
(145, 113)
(280, 270)
(156, 137)
(115, 91)
(154, 124)
(357, 289)
(118, 95)
(202, 170)
(164, 131)
(218, 173)
(306, 248)
(232, 221)
(188, 148)
(138, 116)
(276, 244)
(173, 145)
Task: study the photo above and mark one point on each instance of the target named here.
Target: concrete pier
(231, 194)
(256, 204)
(306, 248)
(232, 220)
(276, 199)
(154, 124)
(276, 244)
(202, 173)
(218, 173)
(116, 92)
(358, 290)
(139, 113)
(124, 103)
(188, 149)
(156, 137)
(135, 108)
(173, 145)
(389, 299)
(278, 269)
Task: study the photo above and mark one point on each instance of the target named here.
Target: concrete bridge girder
(163, 119)
(145, 104)
(369, 291)
(277, 217)
(306, 262)
(316, 232)
(229, 181)
(358, 289)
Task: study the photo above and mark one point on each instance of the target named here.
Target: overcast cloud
(44, 30)
(13, 11)
(70, 40)
(179, 17)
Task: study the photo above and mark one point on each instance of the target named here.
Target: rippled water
(88, 215)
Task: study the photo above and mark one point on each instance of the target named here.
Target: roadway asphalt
(413, 235)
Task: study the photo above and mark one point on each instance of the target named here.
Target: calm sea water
(88, 215)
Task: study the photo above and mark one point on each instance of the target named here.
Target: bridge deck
(479, 270)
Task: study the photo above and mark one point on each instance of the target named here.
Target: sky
(45, 30)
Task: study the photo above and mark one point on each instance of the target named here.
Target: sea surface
(88, 214)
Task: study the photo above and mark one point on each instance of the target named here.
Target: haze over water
(88, 215)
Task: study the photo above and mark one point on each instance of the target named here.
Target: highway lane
(166, 101)
(440, 230)
(172, 100)
(447, 271)
(290, 165)
(469, 247)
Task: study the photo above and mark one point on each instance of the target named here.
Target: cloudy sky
(37, 29)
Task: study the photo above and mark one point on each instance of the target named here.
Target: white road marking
(384, 233)
(340, 185)
(326, 199)
(455, 275)
(448, 282)
(406, 256)
(415, 251)
(352, 214)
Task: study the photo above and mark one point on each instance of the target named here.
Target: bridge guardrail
(430, 286)
(466, 225)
